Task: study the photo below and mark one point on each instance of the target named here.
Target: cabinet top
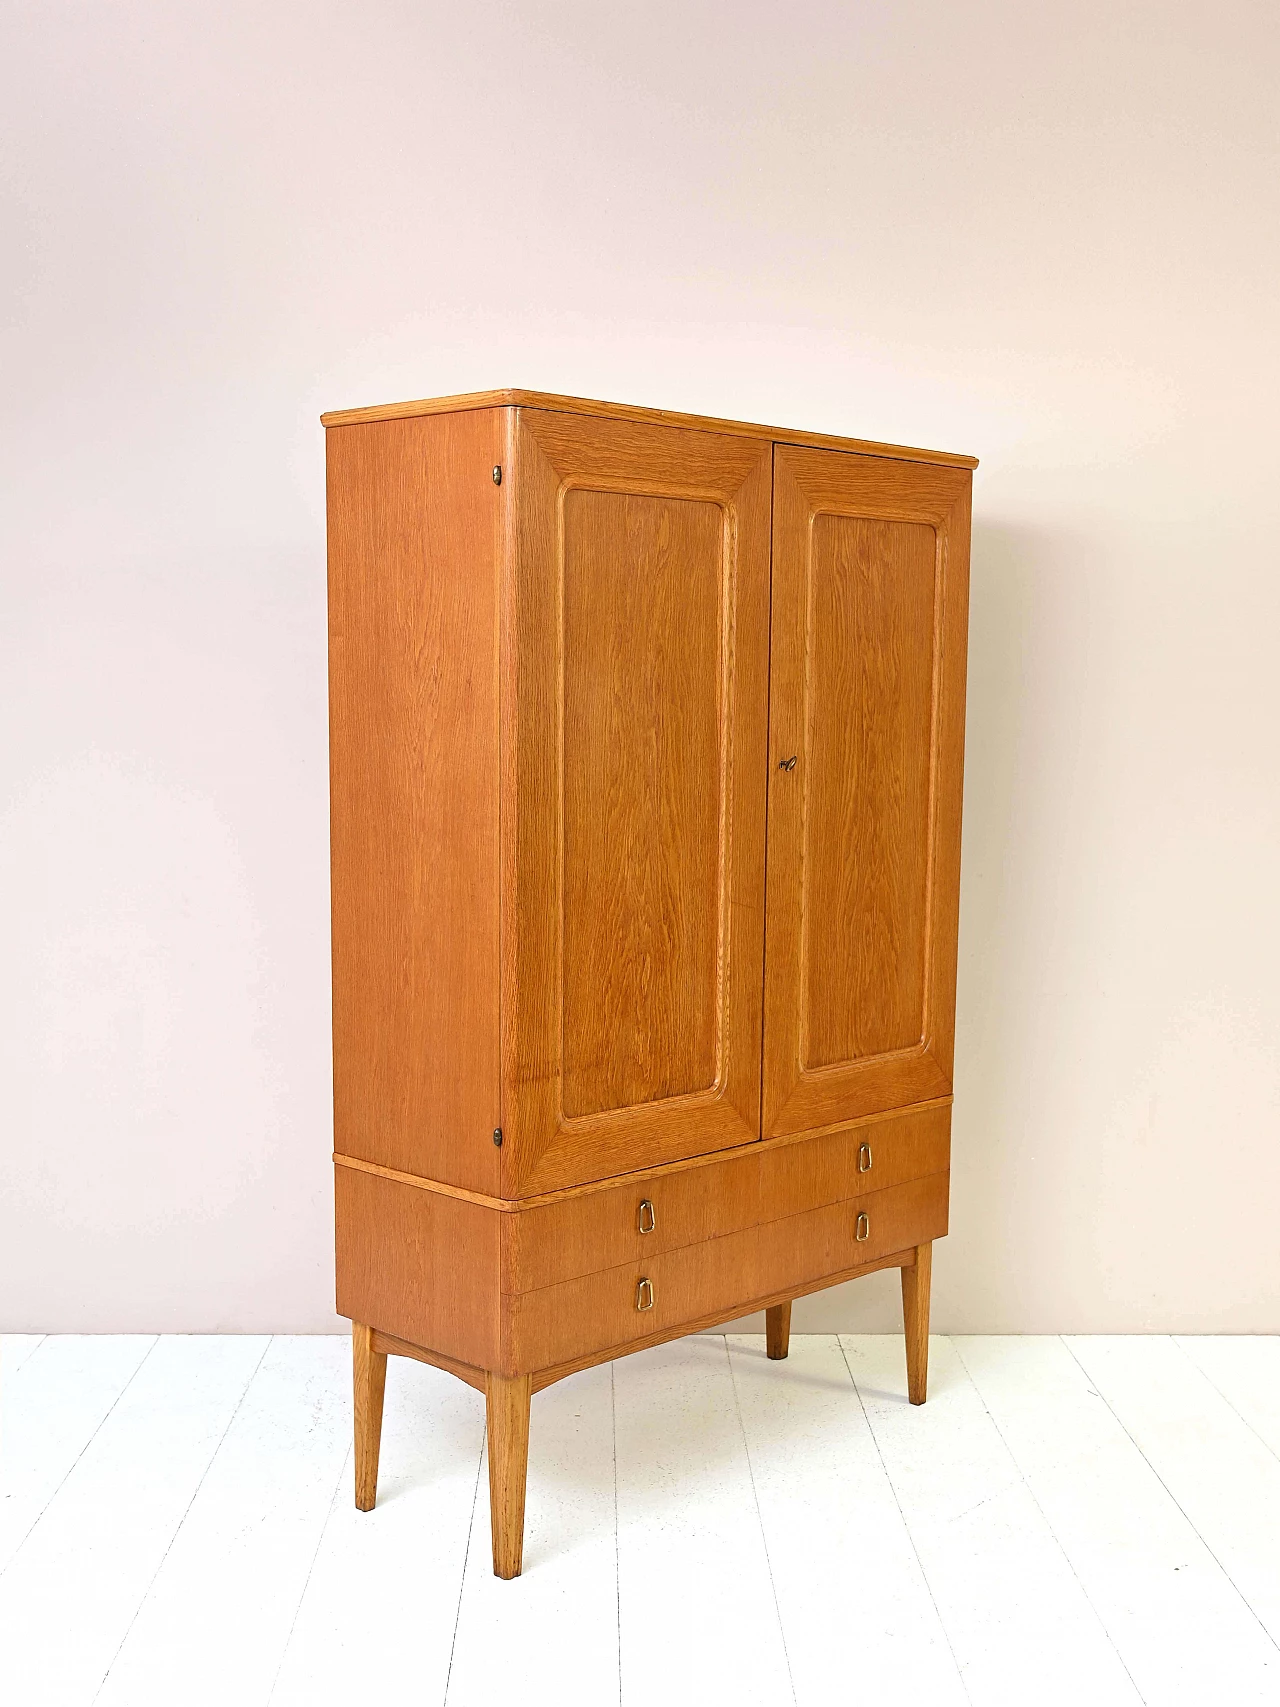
(632, 412)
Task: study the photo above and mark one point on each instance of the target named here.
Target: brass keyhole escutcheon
(788, 764)
(644, 1295)
(648, 1220)
(862, 1228)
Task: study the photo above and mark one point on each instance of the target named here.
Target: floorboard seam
(31, 1528)
(185, 1514)
(1168, 1490)
(1044, 1516)
(924, 1575)
(466, 1555)
(306, 1582)
(764, 1539)
(1226, 1401)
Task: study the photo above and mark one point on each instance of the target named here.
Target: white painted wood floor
(1091, 1520)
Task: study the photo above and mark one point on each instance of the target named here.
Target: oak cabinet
(646, 745)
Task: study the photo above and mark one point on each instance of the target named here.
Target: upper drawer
(600, 1229)
(841, 1165)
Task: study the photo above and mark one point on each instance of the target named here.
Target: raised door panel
(636, 728)
(870, 593)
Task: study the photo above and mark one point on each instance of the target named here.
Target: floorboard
(214, 1624)
(15, 1349)
(1178, 1624)
(106, 1531)
(555, 1627)
(377, 1617)
(50, 1410)
(1020, 1624)
(699, 1619)
(1065, 1520)
(1222, 1474)
(827, 1507)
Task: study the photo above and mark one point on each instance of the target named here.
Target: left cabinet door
(635, 694)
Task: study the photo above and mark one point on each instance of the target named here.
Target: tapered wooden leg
(506, 1404)
(369, 1371)
(915, 1321)
(777, 1329)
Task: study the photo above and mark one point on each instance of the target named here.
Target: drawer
(841, 1165)
(597, 1311)
(803, 1248)
(628, 1223)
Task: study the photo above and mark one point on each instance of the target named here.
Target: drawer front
(628, 1223)
(841, 1165)
(839, 1236)
(596, 1311)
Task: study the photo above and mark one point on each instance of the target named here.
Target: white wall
(1049, 236)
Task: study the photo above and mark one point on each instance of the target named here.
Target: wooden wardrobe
(646, 742)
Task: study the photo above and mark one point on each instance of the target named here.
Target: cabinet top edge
(635, 412)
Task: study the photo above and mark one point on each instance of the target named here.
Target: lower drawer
(719, 1278)
(805, 1248)
(559, 1323)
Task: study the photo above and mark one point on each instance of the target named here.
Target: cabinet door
(870, 600)
(636, 731)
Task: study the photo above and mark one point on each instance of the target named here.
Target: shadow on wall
(1011, 568)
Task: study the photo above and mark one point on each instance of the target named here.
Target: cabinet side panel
(414, 518)
(419, 1265)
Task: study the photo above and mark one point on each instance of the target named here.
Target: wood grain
(715, 1318)
(541, 1378)
(585, 1315)
(579, 1317)
(916, 1284)
(369, 1382)
(605, 810)
(507, 1425)
(643, 684)
(777, 1330)
(392, 1346)
(870, 598)
(633, 412)
(863, 1126)
(414, 539)
(582, 1235)
(868, 746)
(837, 1166)
(418, 1265)
(804, 1248)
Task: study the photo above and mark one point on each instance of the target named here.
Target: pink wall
(1050, 236)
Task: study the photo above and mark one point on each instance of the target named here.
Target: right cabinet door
(866, 720)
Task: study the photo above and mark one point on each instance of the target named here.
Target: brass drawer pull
(644, 1295)
(864, 1158)
(862, 1229)
(648, 1220)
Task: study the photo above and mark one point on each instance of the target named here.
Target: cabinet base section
(507, 1397)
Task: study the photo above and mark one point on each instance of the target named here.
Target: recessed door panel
(644, 587)
(870, 579)
(634, 830)
(869, 714)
